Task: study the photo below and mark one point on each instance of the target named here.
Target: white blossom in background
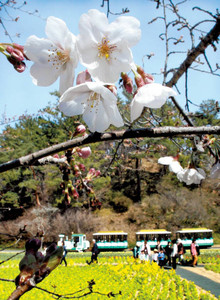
(152, 95)
(191, 175)
(215, 171)
(95, 102)
(104, 49)
(53, 57)
(172, 162)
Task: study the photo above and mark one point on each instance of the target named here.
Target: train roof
(185, 230)
(73, 234)
(158, 231)
(109, 233)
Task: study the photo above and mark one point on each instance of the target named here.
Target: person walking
(145, 251)
(174, 254)
(135, 251)
(64, 254)
(194, 253)
(181, 251)
(168, 251)
(95, 252)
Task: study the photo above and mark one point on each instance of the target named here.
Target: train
(118, 240)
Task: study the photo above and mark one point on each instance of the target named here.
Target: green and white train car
(203, 237)
(152, 236)
(77, 242)
(111, 240)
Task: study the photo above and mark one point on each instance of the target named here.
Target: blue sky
(19, 95)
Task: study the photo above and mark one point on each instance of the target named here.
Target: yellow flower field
(121, 274)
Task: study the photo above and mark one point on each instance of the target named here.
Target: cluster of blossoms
(104, 49)
(189, 175)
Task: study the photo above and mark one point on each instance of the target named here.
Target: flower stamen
(58, 57)
(93, 98)
(105, 49)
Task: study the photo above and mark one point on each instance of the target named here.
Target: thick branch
(32, 159)
(211, 37)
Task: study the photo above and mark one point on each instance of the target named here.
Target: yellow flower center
(105, 49)
(58, 57)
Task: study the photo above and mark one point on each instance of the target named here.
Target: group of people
(161, 255)
(171, 255)
(94, 257)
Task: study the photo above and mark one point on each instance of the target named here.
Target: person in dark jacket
(64, 254)
(95, 252)
(168, 251)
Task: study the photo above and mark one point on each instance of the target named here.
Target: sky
(19, 95)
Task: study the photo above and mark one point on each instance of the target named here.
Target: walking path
(193, 274)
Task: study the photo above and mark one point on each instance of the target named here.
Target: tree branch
(168, 131)
(205, 42)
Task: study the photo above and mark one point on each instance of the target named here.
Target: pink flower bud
(15, 53)
(84, 152)
(18, 65)
(146, 77)
(127, 82)
(80, 129)
(112, 88)
(83, 77)
(56, 156)
(139, 80)
(97, 173)
(76, 168)
(92, 171)
(75, 194)
(19, 47)
(82, 167)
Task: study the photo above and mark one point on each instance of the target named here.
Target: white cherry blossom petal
(136, 110)
(43, 75)
(56, 30)
(166, 160)
(175, 167)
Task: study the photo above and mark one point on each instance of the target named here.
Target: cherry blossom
(172, 162)
(191, 175)
(152, 95)
(53, 57)
(95, 102)
(104, 49)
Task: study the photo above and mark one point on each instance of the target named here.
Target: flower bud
(82, 167)
(112, 88)
(84, 152)
(80, 129)
(15, 53)
(97, 173)
(127, 82)
(146, 77)
(139, 80)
